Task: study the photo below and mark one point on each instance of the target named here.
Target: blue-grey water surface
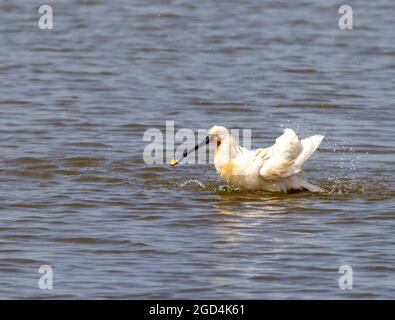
(76, 194)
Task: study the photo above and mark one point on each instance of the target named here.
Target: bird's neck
(226, 151)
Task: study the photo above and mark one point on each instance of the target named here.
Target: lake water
(76, 194)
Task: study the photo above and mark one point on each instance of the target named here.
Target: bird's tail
(309, 146)
(296, 183)
(293, 182)
(302, 184)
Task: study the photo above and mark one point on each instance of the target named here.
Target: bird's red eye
(218, 143)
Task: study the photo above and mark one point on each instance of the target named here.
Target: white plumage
(271, 169)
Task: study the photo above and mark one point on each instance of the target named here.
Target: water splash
(193, 183)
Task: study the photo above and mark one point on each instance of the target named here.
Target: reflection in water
(239, 213)
(257, 204)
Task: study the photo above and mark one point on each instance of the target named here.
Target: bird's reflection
(240, 212)
(244, 233)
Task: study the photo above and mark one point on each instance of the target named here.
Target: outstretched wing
(282, 156)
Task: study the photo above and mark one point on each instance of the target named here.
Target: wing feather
(282, 156)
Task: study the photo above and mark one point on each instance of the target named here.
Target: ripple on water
(100, 180)
(27, 160)
(83, 161)
(91, 240)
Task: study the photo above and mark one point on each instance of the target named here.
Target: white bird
(271, 169)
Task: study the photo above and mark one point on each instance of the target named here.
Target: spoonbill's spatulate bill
(271, 169)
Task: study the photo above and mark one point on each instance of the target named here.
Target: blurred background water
(76, 194)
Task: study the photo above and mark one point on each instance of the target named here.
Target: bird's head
(218, 134)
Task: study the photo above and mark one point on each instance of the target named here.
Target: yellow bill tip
(174, 162)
